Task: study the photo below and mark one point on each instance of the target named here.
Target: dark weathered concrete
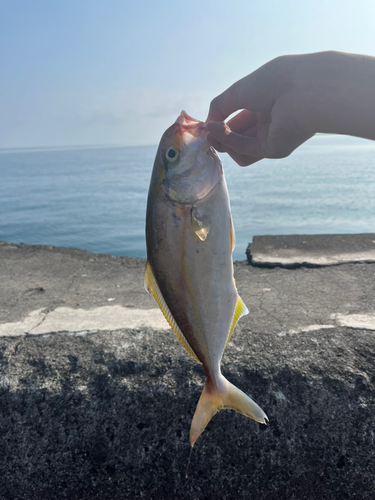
(106, 414)
(311, 250)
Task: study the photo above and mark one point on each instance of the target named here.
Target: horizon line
(29, 149)
(72, 147)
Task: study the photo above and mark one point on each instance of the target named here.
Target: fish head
(186, 167)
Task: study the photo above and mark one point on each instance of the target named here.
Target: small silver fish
(189, 270)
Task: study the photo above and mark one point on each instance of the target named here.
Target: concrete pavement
(311, 250)
(97, 394)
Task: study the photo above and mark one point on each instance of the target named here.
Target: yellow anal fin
(152, 286)
(232, 236)
(239, 311)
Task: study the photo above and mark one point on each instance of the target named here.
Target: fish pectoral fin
(152, 287)
(213, 400)
(239, 311)
(200, 224)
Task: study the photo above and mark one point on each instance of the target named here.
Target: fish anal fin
(152, 287)
(214, 399)
(239, 311)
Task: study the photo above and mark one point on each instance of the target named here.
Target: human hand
(288, 100)
(265, 128)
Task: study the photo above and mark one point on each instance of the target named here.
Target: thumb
(242, 144)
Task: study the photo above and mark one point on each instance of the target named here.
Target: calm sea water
(95, 199)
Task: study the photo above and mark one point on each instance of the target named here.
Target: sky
(107, 72)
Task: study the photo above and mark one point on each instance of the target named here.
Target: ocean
(95, 198)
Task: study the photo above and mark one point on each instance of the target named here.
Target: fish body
(190, 238)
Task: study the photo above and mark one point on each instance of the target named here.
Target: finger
(244, 145)
(257, 91)
(251, 132)
(215, 144)
(224, 104)
(242, 160)
(242, 121)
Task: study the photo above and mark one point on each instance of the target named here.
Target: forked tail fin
(214, 399)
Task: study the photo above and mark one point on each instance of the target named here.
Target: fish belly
(195, 277)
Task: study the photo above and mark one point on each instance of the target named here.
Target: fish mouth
(196, 129)
(190, 125)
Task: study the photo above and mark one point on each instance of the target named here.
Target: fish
(189, 269)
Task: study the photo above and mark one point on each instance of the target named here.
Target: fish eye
(172, 154)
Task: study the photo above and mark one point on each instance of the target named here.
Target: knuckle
(215, 103)
(243, 162)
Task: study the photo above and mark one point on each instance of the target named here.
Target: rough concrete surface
(105, 413)
(311, 250)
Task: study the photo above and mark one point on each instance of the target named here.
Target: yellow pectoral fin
(239, 311)
(152, 286)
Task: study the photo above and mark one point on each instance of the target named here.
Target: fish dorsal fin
(152, 287)
(232, 237)
(239, 311)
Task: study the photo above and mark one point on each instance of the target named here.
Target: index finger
(242, 121)
(255, 92)
(224, 104)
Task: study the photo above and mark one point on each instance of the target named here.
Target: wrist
(334, 93)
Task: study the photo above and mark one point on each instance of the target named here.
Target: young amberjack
(189, 270)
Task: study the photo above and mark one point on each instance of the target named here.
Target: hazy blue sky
(79, 72)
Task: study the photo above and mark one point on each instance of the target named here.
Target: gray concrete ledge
(89, 411)
(311, 250)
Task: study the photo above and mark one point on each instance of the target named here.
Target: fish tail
(214, 399)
